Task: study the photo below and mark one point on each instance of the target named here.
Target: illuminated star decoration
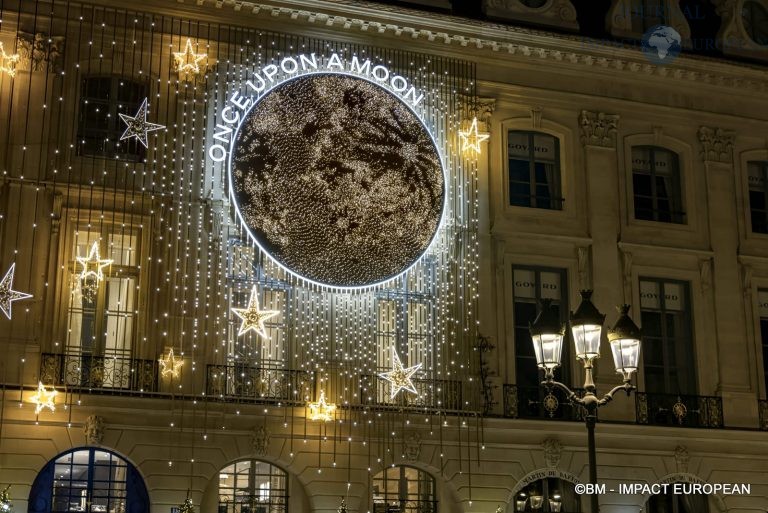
(44, 399)
(471, 139)
(138, 126)
(253, 318)
(321, 410)
(8, 62)
(400, 377)
(93, 264)
(170, 365)
(7, 294)
(188, 61)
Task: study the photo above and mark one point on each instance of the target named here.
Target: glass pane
(123, 248)
(650, 295)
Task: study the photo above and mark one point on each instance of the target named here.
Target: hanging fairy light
(187, 506)
(92, 272)
(8, 62)
(188, 62)
(44, 398)
(5, 500)
(7, 294)
(322, 409)
(471, 139)
(170, 365)
(400, 377)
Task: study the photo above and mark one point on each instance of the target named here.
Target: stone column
(724, 280)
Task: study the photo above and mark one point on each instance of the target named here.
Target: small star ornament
(471, 139)
(8, 62)
(400, 377)
(188, 61)
(253, 317)
(93, 264)
(138, 126)
(7, 294)
(44, 399)
(170, 365)
(322, 409)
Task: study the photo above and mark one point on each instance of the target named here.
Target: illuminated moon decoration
(338, 180)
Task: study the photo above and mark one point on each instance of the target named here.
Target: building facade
(132, 277)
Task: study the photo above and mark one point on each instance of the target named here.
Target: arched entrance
(88, 480)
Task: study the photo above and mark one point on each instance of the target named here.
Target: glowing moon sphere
(337, 180)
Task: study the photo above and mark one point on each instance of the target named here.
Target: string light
(400, 377)
(471, 139)
(321, 410)
(44, 399)
(8, 62)
(5, 500)
(7, 294)
(138, 126)
(187, 506)
(253, 317)
(170, 365)
(188, 61)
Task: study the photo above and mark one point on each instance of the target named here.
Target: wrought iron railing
(540, 403)
(266, 383)
(697, 411)
(115, 373)
(436, 394)
(763, 409)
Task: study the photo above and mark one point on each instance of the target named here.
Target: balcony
(538, 403)
(696, 411)
(434, 394)
(762, 407)
(268, 384)
(106, 373)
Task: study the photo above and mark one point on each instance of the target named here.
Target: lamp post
(547, 334)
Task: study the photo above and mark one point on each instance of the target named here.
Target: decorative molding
(40, 52)
(623, 12)
(480, 108)
(682, 458)
(260, 440)
(732, 36)
(553, 452)
(582, 257)
(412, 446)
(536, 118)
(94, 430)
(717, 144)
(554, 13)
(705, 273)
(746, 281)
(598, 129)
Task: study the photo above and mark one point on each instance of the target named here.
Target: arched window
(656, 185)
(253, 486)
(88, 480)
(549, 495)
(403, 489)
(677, 503)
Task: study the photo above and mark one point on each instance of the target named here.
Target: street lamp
(547, 333)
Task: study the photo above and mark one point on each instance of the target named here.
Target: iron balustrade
(697, 411)
(436, 394)
(536, 402)
(108, 373)
(259, 383)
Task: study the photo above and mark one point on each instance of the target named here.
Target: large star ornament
(400, 377)
(93, 264)
(138, 126)
(171, 366)
(44, 399)
(188, 61)
(471, 139)
(8, 62)
(7, 294)
(253, 317)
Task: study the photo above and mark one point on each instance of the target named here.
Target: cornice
(525, 43)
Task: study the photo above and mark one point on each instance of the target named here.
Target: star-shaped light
(93, 264)
(321, 410)
(7, 294)
(44, 399)
(170, 365)
(8, 62)
(400, 377)
(188, 61)
(253, 317)
(471, 139)
(138, 126)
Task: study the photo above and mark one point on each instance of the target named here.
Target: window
(646, 14)
(667, 339)
(672, 503)
(531, 285)
(762, 306)
(534, 170)
(89, 480)
(102, 99)
(252, 486)
(755, 18)
(757, 174)
(102, 314)
(403, 489)
(656, 185)
(548, 495)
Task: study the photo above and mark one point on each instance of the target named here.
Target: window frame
(402, 495)
(676, 198)
(762, 341)
(275, 471)
(531, 133)
(763, 167)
